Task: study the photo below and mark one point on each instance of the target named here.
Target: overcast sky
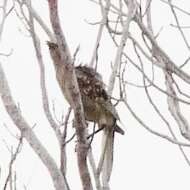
(141, 160)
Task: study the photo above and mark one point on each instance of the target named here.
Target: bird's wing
(108, 106)
(91, 85)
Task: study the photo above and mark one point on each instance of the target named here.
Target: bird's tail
(119, 130)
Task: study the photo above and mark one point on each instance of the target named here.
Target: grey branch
(28, 133)
(70, 83)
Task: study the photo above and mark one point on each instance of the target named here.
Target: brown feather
(96, 102)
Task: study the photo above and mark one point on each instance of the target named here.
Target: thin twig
(13, 158)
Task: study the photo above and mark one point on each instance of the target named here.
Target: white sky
(142, 161)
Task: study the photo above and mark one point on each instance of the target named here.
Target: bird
(96, 102)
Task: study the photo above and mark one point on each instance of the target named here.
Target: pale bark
(28, 133)
(76, 103)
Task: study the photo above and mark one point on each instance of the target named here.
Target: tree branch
(74, 95)
(28, 134)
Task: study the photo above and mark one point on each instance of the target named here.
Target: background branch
(28, 134)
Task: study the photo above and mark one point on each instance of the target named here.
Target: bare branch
(151, 130)
(74, 94)
(154, 85)
(106, 160)
(7, 54)
(93, 165)
(178, 25)
(39, 20)
(13, 158)
(45, 100)
(4, 16)
(63, 159)
(174, 108)
(28, 134)
(176, 7)
(105, 12)
(157, 109)
(125, 34)
(160, 55)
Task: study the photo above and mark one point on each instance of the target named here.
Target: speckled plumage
(96, 102)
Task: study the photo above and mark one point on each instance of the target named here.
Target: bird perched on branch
(96, 102)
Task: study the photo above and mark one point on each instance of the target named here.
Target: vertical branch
(13, 158)
(174, 107)
(63, 144)
(125, 34)
(94, 169)
(15, 181)
(4, 9)
(105, 12)
(74, 96)
(149, 16)
(108, 138)
(37, 18)
(63, 148)
(107, 157)
(149, 24)
(45, 100)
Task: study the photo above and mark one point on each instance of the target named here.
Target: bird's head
(54, 52)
